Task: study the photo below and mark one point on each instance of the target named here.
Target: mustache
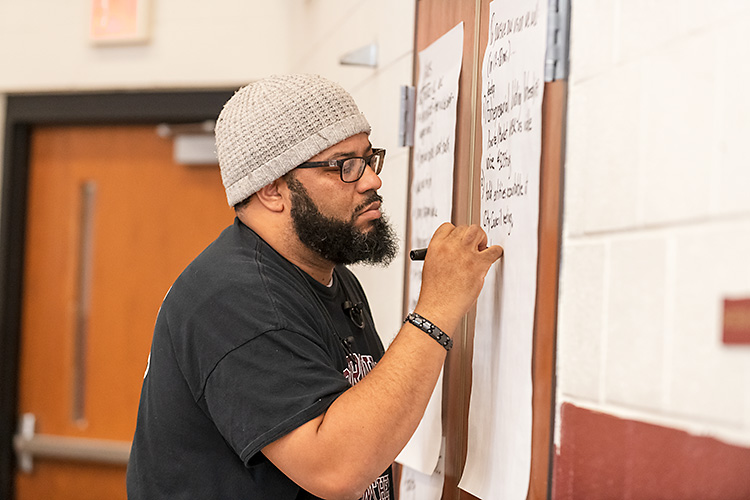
(369, 201)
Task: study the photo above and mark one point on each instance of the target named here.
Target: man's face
(342, 222)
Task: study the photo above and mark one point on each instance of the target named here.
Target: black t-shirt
(246, 348)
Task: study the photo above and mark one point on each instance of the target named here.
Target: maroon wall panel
(605, 457)
(736, 321)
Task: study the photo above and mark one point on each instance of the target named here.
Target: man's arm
(340, 453)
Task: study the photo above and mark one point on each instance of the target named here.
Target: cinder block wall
(656, 216)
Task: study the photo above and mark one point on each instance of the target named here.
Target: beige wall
(44, 46)
(192, 44)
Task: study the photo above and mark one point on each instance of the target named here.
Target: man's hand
(456, 264)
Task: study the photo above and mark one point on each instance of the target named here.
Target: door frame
(23, 112)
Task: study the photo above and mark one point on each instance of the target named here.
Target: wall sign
(119, 21)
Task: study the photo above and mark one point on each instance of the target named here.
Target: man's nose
(369, 180)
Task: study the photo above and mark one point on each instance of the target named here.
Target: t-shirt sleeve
(269, 386)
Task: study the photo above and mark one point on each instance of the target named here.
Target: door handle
(83, 296)
(28, 445)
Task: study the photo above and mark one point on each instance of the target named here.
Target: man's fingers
(479, 237)
(472, 237)
(445, 229)
(493, 252)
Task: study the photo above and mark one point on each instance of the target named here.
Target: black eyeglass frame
(376, 152)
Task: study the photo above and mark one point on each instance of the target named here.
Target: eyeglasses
(352, 169)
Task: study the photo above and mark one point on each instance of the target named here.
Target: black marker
(418, 254)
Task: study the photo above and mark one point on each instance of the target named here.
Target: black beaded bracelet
(430, 329)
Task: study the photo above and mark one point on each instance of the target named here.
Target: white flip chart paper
(417, 486)
(431, 204)
(499, 441)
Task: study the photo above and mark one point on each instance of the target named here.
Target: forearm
(388, 403)
(338, 454)
(363, 431)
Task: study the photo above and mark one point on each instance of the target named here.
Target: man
(266, 379)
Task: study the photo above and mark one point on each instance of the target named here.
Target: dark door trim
(23, 112)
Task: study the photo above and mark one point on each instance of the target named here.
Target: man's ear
(272, 197)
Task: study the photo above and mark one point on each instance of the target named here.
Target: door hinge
(558, 41)
(406, 116)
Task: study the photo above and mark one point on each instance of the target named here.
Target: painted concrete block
(576, 152)
(678, 132)
(331, 31)
(580, 320)
(707, 378)
(396, 21)
(697, 15)
(635, 322)
(645, 25)
(379, 98)
(592, 32)
(602, 130)
(343, 27)
(733, 118)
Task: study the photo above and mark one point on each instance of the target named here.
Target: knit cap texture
(269, 127)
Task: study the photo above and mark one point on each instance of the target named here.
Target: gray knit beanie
(269, 127)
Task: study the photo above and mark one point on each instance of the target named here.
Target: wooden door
(111, 222)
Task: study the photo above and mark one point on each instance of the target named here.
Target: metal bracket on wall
(364, 56)
(406, 116)
(558, 41)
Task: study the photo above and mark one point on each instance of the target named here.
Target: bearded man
(266, 377)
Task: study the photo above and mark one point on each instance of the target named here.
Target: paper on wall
(417, 486)
(499, 441)
(431, 203)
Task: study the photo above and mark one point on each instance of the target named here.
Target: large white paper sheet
(499, 441)
(417, 486)
(431, 205)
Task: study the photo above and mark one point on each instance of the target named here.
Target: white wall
(193, 43)
(657, 213)
(44, 46)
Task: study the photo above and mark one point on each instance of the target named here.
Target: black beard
(339, 241)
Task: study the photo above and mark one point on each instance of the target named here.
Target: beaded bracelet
(430, 329)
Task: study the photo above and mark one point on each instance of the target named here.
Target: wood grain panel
(435, 18)
(548, 269)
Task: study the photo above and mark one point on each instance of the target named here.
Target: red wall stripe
(736, 321)
(604, 457)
